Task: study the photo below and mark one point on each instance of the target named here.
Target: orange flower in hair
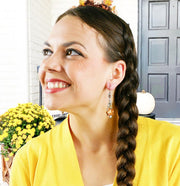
(107, 2)
(81, 2)
(104, 4)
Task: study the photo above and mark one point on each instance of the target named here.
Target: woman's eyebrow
(67, 44)
(46, 43)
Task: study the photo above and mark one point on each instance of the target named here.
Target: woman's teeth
(52, 85)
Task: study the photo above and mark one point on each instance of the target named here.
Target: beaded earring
(110, 110)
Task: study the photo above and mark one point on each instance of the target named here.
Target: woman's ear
(118, 74)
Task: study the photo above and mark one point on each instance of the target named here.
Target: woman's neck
(93, 131)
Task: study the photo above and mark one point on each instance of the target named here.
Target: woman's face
(74, 71)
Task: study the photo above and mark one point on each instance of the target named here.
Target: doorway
(159, 54)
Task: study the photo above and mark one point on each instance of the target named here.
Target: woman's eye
(73, 52)
(47, 52)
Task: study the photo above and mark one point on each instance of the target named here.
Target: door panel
(160, 57)
(154, 80)
(178, 51)
(158, 15)
(159, 54)
(178, 88)
(179, 14)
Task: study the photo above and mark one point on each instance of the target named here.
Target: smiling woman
(86, 75)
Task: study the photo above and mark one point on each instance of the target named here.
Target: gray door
(159, 54)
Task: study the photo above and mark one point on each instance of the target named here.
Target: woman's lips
(55, 85)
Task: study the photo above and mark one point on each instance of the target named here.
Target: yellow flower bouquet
(20, 124)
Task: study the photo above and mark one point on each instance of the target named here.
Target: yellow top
(50, 159)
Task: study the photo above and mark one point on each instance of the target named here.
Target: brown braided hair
(119, 46)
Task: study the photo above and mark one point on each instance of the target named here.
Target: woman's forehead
(73, 23)
(73, 28)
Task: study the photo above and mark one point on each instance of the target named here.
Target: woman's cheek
(41, 75)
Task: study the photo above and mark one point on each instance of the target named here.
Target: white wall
(128, 11)
(13, 54)
(24, 26)
(60, 6)
(39, 26)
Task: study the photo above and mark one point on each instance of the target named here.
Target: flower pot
(6, 167)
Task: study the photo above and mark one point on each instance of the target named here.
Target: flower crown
(104, 4)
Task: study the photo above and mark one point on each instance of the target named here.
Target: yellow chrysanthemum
(5, 134)
(28, 139)
(28, 126)
(24, 131)
(1, 137)
(11, 154)
(18, 145)
(24, 136)
(15, 150)
(39, 127)
(18, 129)
(14, 136)
(20, 140)
(20, 125)
(42, 132)
(32, 131)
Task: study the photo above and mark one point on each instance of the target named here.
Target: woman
(89, 71)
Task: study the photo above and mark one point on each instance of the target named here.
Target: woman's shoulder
(158, 133)
(158, 126)
(34, 154)
(157, 152)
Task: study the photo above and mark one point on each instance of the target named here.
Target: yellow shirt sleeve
(20, 175)
(174, 178)
(174, 159)
(157, 153)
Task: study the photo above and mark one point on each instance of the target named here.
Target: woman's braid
(125, 101)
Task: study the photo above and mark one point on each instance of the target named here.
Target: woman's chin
(51, 106)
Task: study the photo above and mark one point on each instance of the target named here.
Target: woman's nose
(52, 64)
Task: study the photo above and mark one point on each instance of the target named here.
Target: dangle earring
(110, 110)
